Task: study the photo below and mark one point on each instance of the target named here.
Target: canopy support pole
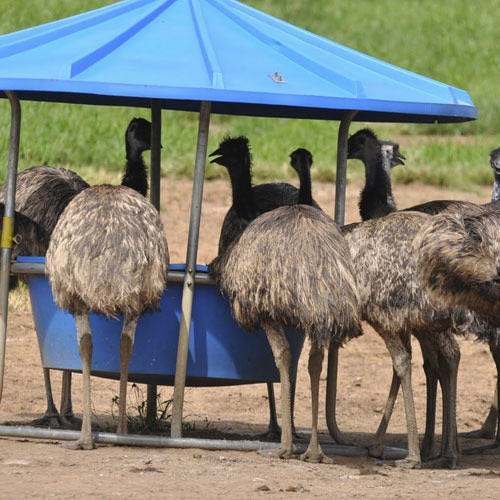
(8, 224)
(188, 289)
(333, 351)
(154, 196)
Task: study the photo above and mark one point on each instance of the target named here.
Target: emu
(459, 258)
(234, 154)
(108, 254)
(42, 194)
(290, 267)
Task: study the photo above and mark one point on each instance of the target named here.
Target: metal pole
(206, 444)
(8, 224)
(333, 351)
(192, 251)
(154, 196)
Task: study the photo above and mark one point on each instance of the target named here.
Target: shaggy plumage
(265, 277)
(459, 257)
(42, 193)
(29, 237)
(108, 253)
(393, 302)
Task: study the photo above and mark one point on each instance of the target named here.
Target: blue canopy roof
(242, 60)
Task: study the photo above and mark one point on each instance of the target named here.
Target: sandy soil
(41, 469)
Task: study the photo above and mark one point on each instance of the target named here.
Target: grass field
(453, 41)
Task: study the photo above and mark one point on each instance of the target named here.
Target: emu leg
(331, 395)
(51, 416)
(282, 358)
(86, 440)
(431, 370)
(67, 417)
(376, 447)
(494, 448)
(487, 430)
(314, 453)
(273, 432)
(449, 359)
(401, 359)
(126, 349)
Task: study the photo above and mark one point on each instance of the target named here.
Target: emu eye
(17, 239)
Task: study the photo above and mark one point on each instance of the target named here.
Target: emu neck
(376, 197)
(305, 194)
(496, 189)
(135, 175)
(243, 200)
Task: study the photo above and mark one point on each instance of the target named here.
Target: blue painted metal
(246, 62)
(220, 353)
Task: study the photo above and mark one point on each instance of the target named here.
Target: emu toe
(482, 433)
(48, 419)
(280, 452)
(489, 449)
(80, 444)
(408, 463)
(315, 456)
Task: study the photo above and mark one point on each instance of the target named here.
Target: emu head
(138, 135)
(233, 153)
(391, 153)
(495, 161)
(301, 158)
(363, 145)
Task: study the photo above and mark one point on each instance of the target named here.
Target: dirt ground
(41, 469)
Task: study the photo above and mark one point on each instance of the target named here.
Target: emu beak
(398, 159)
(218, 153)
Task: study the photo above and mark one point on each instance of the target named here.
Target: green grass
(453, 41)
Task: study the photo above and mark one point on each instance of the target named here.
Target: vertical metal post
(192, 251)
(8, 224)
(154, 196)
(333, 351)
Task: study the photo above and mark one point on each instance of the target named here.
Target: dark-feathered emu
(459, 258)
(291, 267)
(42, 194)
(108, 254)
(249, 202)
(394, 304)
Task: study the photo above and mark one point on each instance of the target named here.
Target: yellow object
(7, 232)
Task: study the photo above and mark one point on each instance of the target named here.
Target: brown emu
(249, 202)
(395, 306)
(291, 267)
(42, 194)
(108, 254)
(433, 349)
(459, 258)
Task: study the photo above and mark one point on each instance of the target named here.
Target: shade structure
(241, 60)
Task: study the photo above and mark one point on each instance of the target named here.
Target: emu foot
(80, 444)
(316, 456)
(273, 435)
(440, 462)
(69, 421)
(376, 449)
(48, 419)
(408, 463)
(489, 449)
(426, 451)
(280, 452)
(482, 433)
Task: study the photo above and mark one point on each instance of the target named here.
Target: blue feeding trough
(220, 352)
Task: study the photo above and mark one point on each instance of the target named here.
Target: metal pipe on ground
(328, 447)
